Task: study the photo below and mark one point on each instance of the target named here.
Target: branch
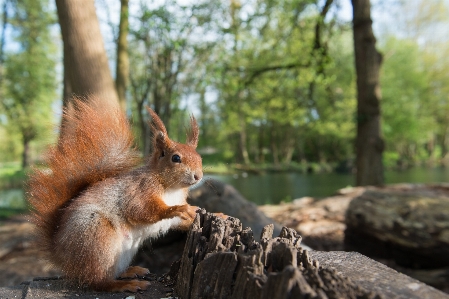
(259, 71)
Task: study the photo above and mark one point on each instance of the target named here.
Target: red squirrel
(93, 206)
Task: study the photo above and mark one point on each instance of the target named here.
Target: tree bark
(122, 70)
(26, 153)
(86, 69)
(369, 143)
(444, 144)
(242, 141)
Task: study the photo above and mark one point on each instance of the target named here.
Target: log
(222, 260)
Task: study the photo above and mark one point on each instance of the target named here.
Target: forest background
(272, 83)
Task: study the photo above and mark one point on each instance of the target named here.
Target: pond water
(276, 187)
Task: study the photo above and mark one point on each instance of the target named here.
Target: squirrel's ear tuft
(156, 124)
(158, 130)
(193, 133)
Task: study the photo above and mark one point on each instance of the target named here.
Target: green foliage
(408, 123)
(11, 175)
(279, 93)
(10, 143)
(29, 76)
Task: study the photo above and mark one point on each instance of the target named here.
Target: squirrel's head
(177, 164)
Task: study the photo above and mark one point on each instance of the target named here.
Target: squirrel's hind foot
(123, 286)
(134, 271)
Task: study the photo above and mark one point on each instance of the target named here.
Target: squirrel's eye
(176, 159)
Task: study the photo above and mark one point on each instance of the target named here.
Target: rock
(215, 196)
(408, 223)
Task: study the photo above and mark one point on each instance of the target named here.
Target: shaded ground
(19, 259)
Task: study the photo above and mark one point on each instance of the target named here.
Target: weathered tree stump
(222, 260)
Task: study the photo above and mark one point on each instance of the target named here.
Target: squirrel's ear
(193, 133)
(158, 129)
(156, 124)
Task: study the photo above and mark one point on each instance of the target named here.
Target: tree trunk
(260, 145)
(122, 71)
(26, 153)
(242, 141)
(86, 69)
(274, 146)
(288, 146)
(444, 142)
(144, 130)
(369, 144)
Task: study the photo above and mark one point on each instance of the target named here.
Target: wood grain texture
(223, 260)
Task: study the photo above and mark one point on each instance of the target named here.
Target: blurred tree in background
(86, 68)
(369, 144)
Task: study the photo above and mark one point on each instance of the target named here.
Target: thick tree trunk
(122, 70)
(86, 69)
(369, 144)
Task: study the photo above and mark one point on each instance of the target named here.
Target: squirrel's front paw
(185, 212)
(192, 211)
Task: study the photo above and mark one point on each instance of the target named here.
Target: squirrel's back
(96, 143)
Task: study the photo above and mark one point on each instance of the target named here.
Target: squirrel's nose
(198, 175)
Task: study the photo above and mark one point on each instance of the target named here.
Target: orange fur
(92, 207)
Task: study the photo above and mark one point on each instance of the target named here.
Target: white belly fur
(134, 238)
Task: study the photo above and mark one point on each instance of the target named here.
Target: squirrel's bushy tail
(96, 142)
